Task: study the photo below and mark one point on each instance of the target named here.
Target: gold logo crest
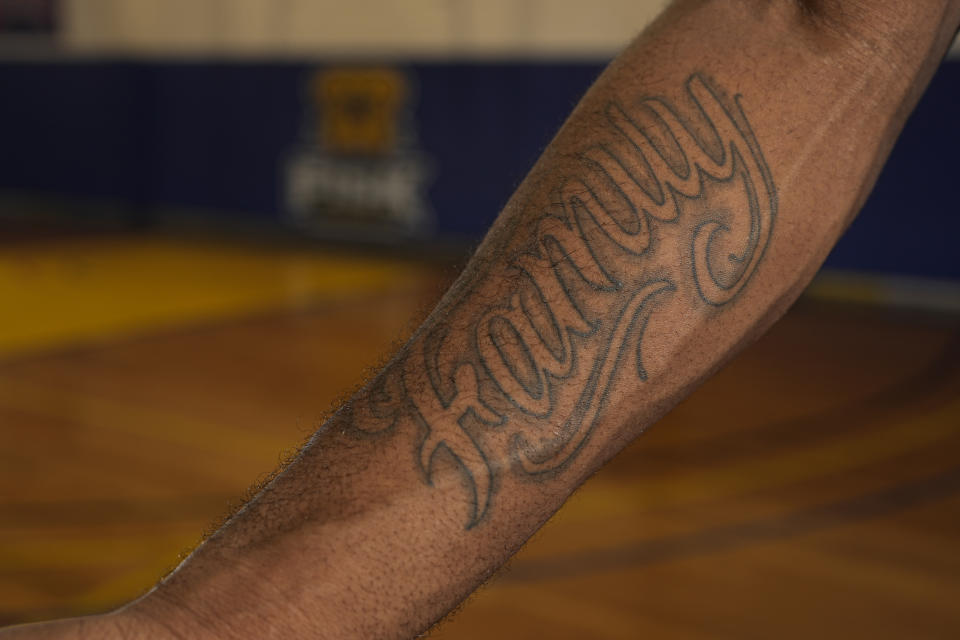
(359, 110)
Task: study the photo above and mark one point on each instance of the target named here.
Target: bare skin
(686, 202)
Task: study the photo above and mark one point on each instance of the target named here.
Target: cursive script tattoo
(525, 378)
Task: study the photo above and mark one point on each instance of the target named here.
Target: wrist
(898, 32)
(139, 620)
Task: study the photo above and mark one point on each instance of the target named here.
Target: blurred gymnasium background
(215, 215)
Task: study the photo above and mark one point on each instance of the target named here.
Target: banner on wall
(357, 167)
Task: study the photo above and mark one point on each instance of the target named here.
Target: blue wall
(212, 136)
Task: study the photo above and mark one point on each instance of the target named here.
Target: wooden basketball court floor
(811, 489)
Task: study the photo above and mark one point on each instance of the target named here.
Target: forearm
(688, 199)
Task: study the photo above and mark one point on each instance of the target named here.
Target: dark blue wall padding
(213, 136)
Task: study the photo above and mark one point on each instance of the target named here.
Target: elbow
(857, 32)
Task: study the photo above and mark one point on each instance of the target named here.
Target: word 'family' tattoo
(536, 367)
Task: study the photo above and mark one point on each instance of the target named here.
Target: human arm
(352, 535)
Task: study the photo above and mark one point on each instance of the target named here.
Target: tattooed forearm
(646, 246)
(667, 203)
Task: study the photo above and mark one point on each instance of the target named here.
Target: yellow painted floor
(812, 488)
(73, 291)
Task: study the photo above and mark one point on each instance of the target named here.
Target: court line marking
(738, 535)
(892, 429)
